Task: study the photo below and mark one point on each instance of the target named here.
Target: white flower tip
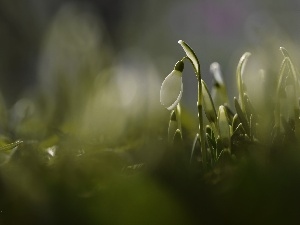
(244, 60)
(180, 42)
(222, 109)
(223, 120)
(215, 69)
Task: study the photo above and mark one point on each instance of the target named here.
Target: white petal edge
(173, 106)
(171, 90)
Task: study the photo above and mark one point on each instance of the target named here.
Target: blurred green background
(84, 77)
(87, 61)
(217, 30)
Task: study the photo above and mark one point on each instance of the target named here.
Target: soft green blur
(83, 135)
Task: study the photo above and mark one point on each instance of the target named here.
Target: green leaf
(208, 105)
(242, 116)
(292, 67)
(177, 137)
(239, 75)
(280, 79)
(235, 122)
(239, 130)
(196, 144)
(238, 136)
(230, 114)
(295, 83)
(225, 156)
(211, 134)
(284, 52)
(212, 146)
(249, 109)
(224, 128)
(219, 147)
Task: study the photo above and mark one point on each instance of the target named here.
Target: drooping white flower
(218, 92)
(172, 87)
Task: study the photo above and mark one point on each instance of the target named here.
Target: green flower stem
(209, 108)
(173, 126)
(200, 117)
(195, 62)
(279, 84)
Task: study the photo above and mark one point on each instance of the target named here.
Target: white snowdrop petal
(171, 90)
(216, 71)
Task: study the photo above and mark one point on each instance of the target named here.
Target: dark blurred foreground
(98, 188)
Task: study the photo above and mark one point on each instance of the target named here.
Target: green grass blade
(239, 75)
(224, 128)
(208, 104)
(242, 116)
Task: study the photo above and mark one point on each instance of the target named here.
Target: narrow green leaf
(224, 157)
(230, 113)
(177, 137)
(293, 68)
(208, 105)
(209, 131)
(195, 142)
(235, 122)
(224, 129)
(280, 79)
(289, 132)
(242, 116)
(239, 75)
(284, 52)
(212, 146)
(249, 109)
(239, 130)
(238, 135)
(295, 83)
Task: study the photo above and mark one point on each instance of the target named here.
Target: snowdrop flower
(172, 87)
